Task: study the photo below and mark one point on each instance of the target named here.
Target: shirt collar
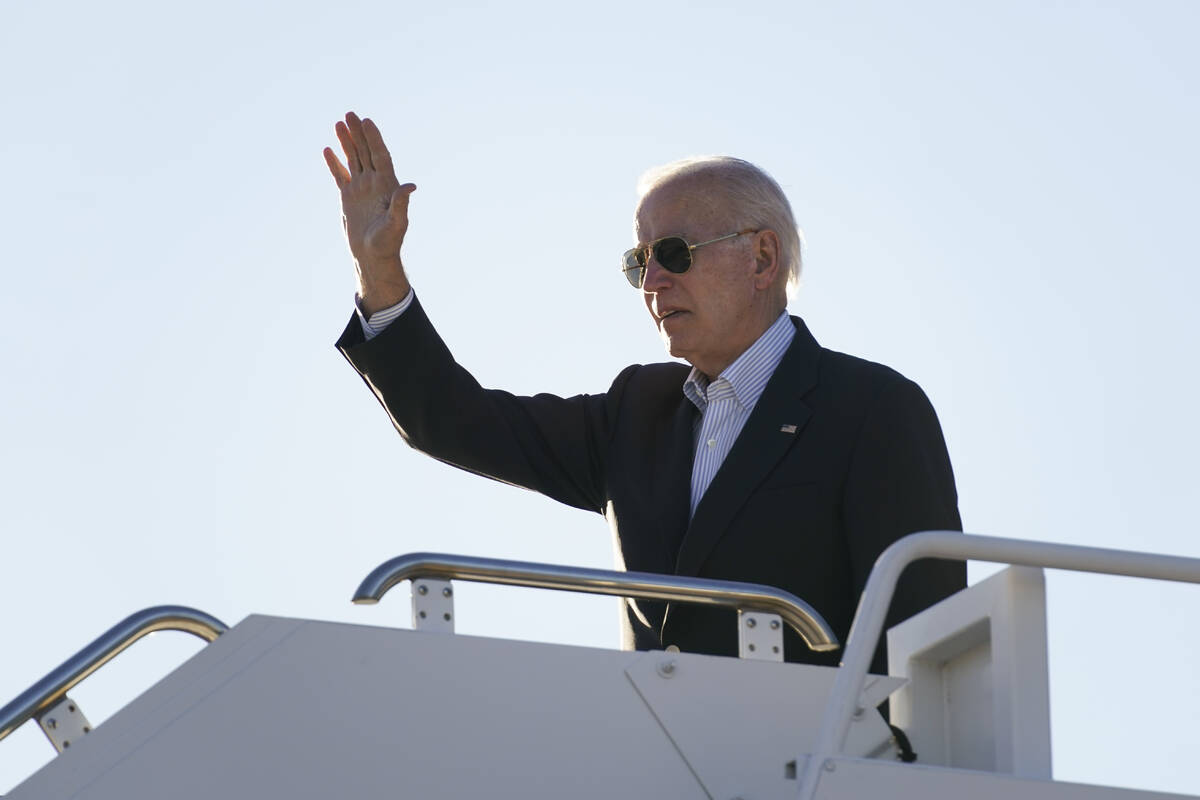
(749, 373)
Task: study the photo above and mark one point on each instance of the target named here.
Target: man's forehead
(683, 205)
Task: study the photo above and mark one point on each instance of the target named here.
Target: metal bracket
(63, 723)
(433, 605)
(760, 636)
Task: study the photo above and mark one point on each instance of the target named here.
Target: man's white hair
(747, 192)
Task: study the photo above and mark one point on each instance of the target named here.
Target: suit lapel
(758, 448)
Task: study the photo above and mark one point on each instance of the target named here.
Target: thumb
(398, 204)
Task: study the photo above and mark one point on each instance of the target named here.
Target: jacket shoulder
(665, 377)
(856, 387)
(848, 369)
(652, 388)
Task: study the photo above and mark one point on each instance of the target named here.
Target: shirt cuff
(375, 324)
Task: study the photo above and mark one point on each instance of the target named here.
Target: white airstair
(291, 708)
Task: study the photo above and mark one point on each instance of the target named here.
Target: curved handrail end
(63, 678)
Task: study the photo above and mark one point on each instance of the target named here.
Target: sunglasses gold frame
(634, 262)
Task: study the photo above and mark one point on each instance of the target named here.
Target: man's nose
(656, 278)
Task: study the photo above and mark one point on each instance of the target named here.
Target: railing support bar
(881, 585)
(52, 688)
(747, 596)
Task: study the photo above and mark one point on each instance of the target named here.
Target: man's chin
(674, 346)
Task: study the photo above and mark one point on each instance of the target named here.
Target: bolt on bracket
(433, 605)
(63, 723)
(760, 636)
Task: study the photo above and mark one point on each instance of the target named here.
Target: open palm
(374, 210)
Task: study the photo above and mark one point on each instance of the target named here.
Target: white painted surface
(288, 708)
(760, 636)
(433, 605)
(738, 723)
(861, 779)
(979, 693)
(297, 709)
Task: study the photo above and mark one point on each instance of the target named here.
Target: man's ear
(766, 259)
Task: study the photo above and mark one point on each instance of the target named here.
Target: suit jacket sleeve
(900, 482)
(553, 445)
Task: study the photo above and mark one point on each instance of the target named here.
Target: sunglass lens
(673, 254)
(634, 265)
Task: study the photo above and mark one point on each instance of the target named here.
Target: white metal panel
(979, 694)
(738, 723)
(854, 779)
(307, 709)
(970, 721)
(131, 727)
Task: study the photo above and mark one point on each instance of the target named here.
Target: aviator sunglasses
(672, 252)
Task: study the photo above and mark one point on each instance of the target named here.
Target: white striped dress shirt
(726, 403)
(374, 325)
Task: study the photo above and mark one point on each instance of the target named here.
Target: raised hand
(374, 211)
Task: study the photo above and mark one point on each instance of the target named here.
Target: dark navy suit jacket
(807, 510)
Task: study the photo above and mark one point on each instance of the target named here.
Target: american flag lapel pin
(788, 429)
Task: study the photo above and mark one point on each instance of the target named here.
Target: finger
(353, 162)
(360, 140)
(340, 176)
(380, 156)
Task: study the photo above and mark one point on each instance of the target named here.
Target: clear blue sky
(999, 201)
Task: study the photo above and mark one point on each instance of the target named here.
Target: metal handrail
(52, 688)
(802, 617)
(877, 596)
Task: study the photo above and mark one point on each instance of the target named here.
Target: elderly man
(770, 460)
